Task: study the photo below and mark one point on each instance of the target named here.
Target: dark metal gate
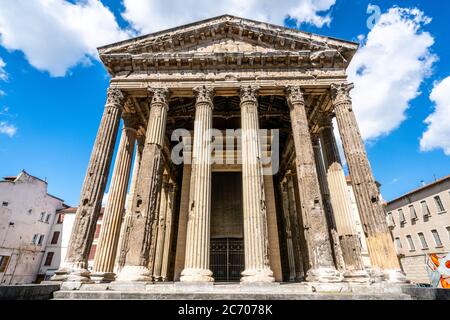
(227, 259)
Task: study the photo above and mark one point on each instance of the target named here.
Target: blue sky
(53, 90)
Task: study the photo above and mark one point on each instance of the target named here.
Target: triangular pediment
(222, 38)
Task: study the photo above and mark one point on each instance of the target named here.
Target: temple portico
(229, 158)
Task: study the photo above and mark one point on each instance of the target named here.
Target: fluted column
(126, 224)
(323, 268)
(336, 245)
(105, 255)
(145, 203)
(196, 268)
(75, 266)
(295, 228)
(287, 224)
(342, 206)
(379, 240)
(168, 234)
(161, 224)
(257, 266)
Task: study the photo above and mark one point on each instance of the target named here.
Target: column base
(324, 275)
(376, 275)
(300, 277)
(356, 276)
(134, 274)
(255, 276)
(158, 279)
(196, 275)
(103, 277)
(395, 276)
(72, 273)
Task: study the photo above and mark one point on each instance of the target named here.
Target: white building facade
(420, 224)
(27, 213)
(58, 242)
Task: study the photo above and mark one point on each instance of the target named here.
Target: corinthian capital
(249, 94)
(116, 97)
(160, 96)
(341, 92)
(294, 95)
(204, 94)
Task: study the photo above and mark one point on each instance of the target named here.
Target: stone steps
(139, 295)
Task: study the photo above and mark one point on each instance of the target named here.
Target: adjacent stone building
(420, 224)
(58, 242)
(27, 213)
(228, 152)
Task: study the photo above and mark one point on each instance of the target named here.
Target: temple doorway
(227, 259)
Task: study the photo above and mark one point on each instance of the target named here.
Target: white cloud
(389, 69)
(148, 16)
(437, 135)
(7, 128)
(3, 73)
(56, 35)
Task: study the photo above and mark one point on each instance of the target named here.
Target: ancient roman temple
(227, 167)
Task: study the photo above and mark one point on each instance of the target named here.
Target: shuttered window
(49, 258)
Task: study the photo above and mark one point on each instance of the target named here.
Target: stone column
(287, 224)
(295, 228)
(161, 224)
(323, 269)
(105, 255)
(379, 240)
(180, 255)
(257, 266)
(75, 266)
(196, 267)
(342, 206)
(336, 246)
(126, 224)
(168, 234)
(144, 209)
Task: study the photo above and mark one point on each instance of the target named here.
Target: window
(437, 239)
(60, 218)
(42, 216)
(35, 239)
(5, 203)
(47, 218)
(401, 216)
(439, 205)
(412, 212)
(390, 218)
(423, 240)
(41, 240)
(412, 247)
(49, 258)
(425, 210)
(3, 263)
(55, 237)
(398, 243)
(92, 252)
